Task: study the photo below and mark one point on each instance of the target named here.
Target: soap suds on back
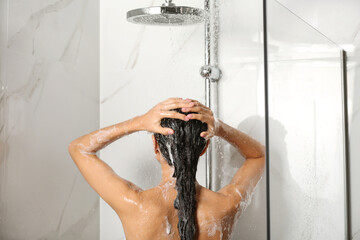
(165, 188)
(168, 226)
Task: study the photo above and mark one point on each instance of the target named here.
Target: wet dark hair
(185, 145)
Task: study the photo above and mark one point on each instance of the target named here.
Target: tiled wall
(49, 96)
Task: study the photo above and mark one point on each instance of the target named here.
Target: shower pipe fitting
(212, 72)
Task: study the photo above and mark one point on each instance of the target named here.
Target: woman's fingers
(209, 133)
(186, 105)
(204, 118)
(209, 119)
(176, 104)
(173, 114)
(197, 109)
(197, 103)
(166, 131)
(172, 100)
(199, 106)
(163, 130)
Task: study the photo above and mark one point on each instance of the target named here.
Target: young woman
(179, 207)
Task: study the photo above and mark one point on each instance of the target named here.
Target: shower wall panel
(48, 96)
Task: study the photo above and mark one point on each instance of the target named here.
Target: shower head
(165, 15)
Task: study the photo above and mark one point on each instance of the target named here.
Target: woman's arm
(100, 176)
(251, 171)
(249, 174)
(248, 147)
(119, 193)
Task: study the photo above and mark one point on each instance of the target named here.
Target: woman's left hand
(151, 120)
(204, 114)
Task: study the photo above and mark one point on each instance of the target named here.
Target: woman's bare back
(153, 215)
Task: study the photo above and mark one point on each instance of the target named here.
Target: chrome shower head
(167, 14)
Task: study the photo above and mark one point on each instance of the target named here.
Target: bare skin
(150, 214)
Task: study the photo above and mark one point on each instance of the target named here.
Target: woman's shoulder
(216, 203)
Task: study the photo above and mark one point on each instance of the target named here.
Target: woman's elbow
(262, 151)
(73, 147)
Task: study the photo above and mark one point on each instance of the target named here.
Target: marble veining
(117, 90)
(356, 233)
(71, 51)
(134, 55)
(76, 230)
(356, 35)
(2, 111)
(28, 31)
(66, 204)
(35, 82)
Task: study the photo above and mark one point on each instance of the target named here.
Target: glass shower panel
(353, 68)
(241, 101)
(306, 129)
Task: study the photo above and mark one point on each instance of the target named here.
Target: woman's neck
(167, 175)
(167, 172)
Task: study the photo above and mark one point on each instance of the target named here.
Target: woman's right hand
(151, 120)
(204, 114)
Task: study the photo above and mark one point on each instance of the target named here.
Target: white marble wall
(49, 96)
(141, 66)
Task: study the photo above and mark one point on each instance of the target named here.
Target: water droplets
(130, 201)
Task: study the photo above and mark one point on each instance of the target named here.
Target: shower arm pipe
(207, 32)
(208, 172)
(211, 74)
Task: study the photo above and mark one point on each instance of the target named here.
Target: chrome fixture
(212, 72)
(167, 14)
